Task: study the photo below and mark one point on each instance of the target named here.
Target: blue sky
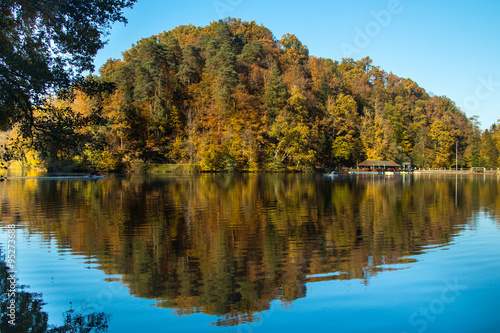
(448, 47)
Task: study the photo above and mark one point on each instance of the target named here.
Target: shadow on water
(229, 245)
(22, 311)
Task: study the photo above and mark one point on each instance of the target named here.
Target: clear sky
(447, 47)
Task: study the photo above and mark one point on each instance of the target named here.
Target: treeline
(230, 96)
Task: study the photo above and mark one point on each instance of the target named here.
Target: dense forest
(231, 97)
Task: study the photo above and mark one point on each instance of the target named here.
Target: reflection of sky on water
(391, 301)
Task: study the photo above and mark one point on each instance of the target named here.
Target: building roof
(373, 163)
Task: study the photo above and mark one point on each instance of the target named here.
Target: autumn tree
(443, 139)
(346, 146)
(45, 45)
(489, 154)
(292, 133)
(295, 52)
(230, 96)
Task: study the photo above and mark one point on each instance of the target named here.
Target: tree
(251, 53)
(292, 133)
(221, 62)
(56, 133)
(153, 64)
(443, 139)
(275, 94)
(495, 132)
(400, 146)
(44, 45)
(191, 65)
(346, 143)
(295, 52)
(488, 154)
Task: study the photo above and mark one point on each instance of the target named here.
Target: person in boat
(94, 174)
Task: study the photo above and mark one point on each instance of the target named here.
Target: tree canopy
(231, 96)
(45, 45)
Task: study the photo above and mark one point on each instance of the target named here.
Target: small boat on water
(332, 174)
(95, 176)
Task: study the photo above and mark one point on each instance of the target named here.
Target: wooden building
(372, 165)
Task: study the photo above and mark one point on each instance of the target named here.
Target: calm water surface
(261, 253)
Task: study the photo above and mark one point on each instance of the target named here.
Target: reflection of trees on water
(228, 245)
(30, 317)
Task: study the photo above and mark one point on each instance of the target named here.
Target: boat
(332, 174)
(95, 176)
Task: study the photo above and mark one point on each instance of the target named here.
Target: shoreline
(185, 168)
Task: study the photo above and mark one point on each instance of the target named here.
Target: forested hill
(231, 96)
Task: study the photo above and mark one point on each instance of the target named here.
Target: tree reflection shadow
(30, 317)
(229, 245)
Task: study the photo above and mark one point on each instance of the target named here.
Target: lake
(257, 252)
